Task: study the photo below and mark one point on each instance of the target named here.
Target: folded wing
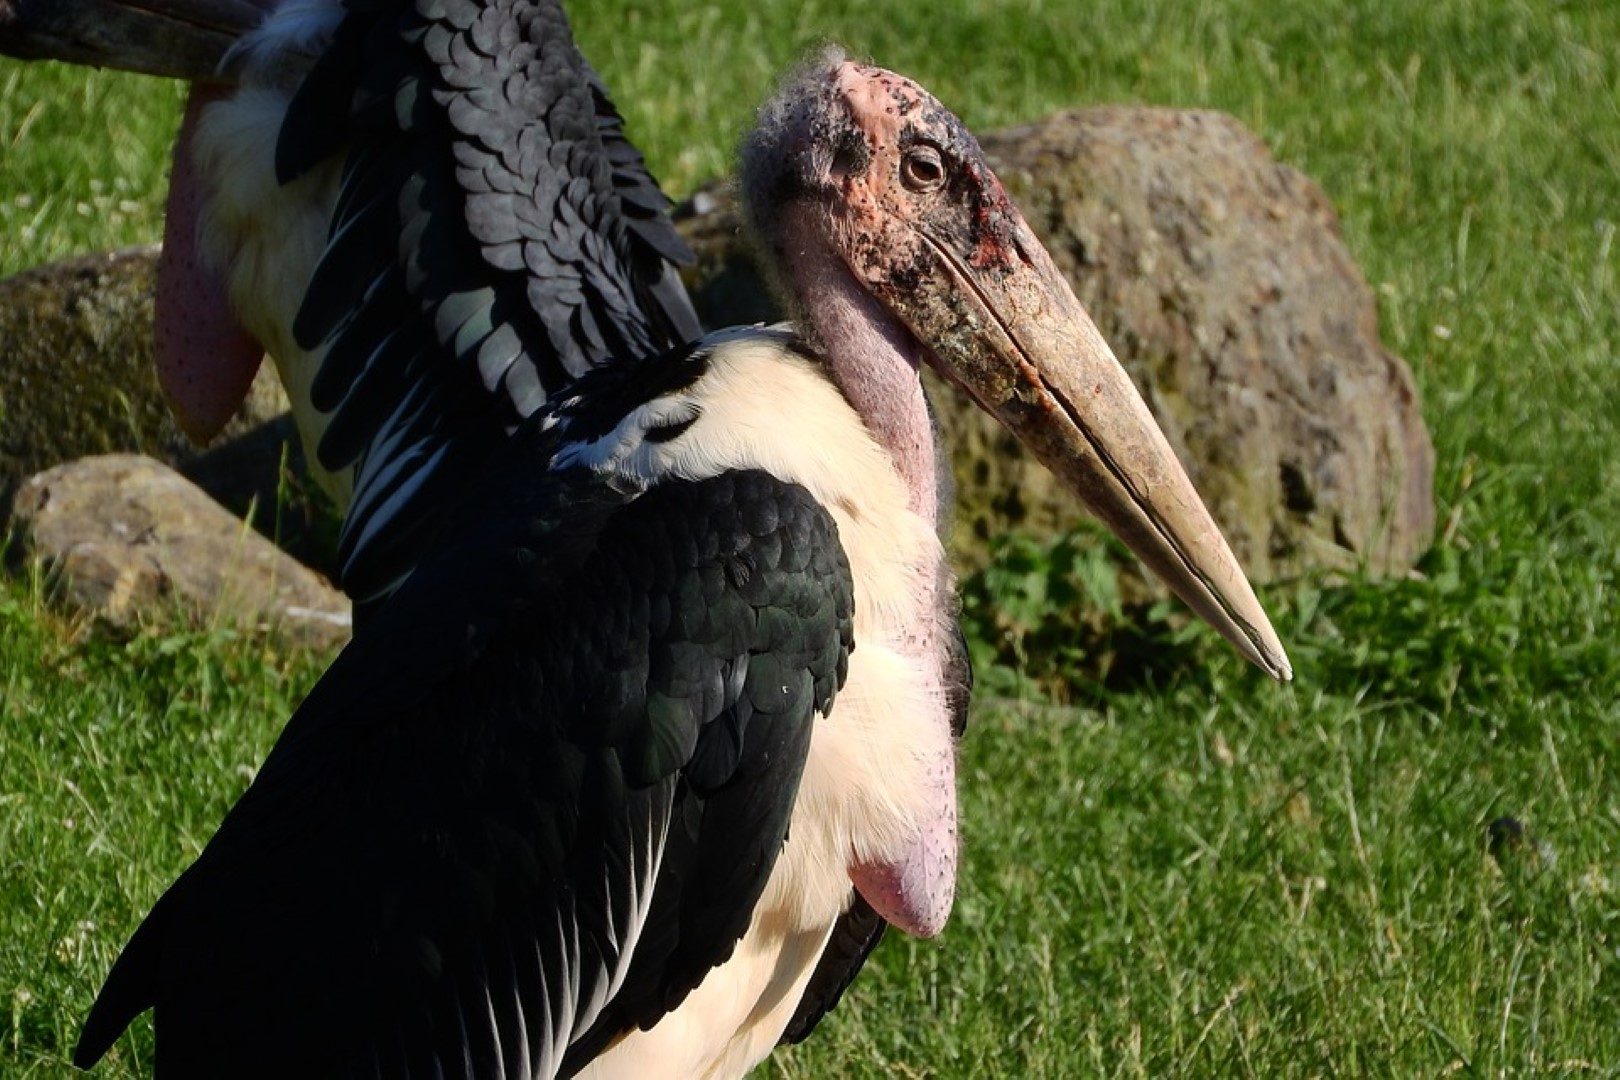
(512, 823)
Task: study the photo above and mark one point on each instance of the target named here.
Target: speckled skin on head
(877, 182)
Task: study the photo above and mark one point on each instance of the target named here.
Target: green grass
(117, 764)
(1204, 875)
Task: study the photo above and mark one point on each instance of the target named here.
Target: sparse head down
(870, 160)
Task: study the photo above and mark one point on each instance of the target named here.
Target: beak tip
(1271, 658)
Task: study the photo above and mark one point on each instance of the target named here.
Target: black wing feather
(853, 938)
(489, 195)
(437, 869)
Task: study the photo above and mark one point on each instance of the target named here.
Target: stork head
(865, 176)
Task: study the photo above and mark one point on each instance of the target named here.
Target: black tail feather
(130, 989)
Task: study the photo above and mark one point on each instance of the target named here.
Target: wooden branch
(183, 39)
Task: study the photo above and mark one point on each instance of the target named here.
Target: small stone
(134, 543)
(1511, 844)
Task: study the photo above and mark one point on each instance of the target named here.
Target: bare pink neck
(874, 361)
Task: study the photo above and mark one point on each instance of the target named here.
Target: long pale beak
(1019, 341)
(182, 39)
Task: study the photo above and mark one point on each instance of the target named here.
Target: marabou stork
(591, 791)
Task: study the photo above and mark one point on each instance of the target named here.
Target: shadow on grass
(1477, 632)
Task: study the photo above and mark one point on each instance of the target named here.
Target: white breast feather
(865, 784)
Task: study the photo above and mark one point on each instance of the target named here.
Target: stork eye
(922, 169)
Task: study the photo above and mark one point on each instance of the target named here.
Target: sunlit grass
(1207, 875)
(116, 764)
(84, 160)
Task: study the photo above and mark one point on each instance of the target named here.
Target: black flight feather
(488, 170)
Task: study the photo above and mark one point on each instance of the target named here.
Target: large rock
(132, 542)
(1223, 282)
